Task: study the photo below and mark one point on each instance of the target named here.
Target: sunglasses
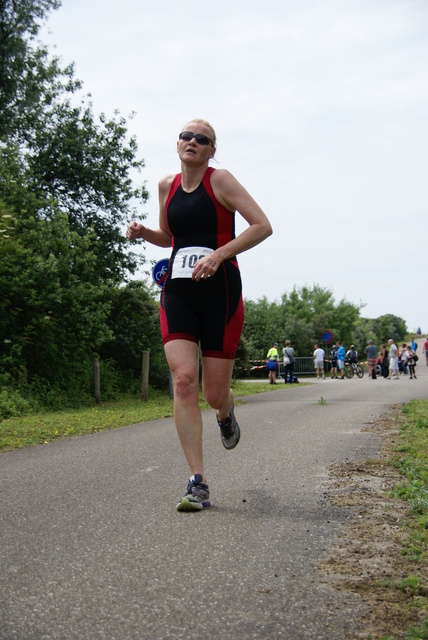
(199, 137)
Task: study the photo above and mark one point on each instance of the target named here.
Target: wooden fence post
(97, 385)
(145, 382)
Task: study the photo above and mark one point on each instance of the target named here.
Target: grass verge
(42, 428)
(411, 460)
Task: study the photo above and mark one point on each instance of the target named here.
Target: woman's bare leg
(182, 356)
(216, 379)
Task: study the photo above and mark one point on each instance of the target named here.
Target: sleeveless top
(197, 218)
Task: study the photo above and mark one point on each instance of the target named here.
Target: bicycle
(352, 368)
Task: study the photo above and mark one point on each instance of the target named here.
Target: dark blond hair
(207, 124)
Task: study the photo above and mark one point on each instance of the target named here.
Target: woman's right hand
(135, 230)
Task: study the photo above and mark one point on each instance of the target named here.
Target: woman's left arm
(232, 195)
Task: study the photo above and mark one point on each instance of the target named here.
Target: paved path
(92, 547)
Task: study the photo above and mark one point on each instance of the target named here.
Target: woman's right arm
(158, 237)
(161, 237)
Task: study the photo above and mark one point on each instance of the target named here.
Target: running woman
(201, 300)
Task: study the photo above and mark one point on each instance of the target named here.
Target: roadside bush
(12, 404)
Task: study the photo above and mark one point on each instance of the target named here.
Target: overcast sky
(320, 110)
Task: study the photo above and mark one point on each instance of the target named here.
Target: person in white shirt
(319, 355)
(393, 360)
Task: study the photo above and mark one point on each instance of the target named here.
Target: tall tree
(390, 326)
(262, 326)
(28, 79)
(134, 326)
(53, 309)
(302, 317)
(83, 163)
(66, 180)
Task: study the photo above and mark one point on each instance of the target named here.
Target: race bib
(185, 260)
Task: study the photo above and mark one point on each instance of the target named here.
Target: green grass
(42, 428)
(411, 458)
(412, 461)
(414, 633)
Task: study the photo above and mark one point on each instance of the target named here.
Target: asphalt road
(92, 546)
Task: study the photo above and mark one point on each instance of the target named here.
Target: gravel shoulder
(369, 552)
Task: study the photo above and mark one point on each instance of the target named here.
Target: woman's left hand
(205, 267)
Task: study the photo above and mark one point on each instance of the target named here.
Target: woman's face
(190, 150)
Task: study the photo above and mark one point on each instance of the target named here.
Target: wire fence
(302, 367)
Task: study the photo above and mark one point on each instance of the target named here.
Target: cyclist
(352, 355)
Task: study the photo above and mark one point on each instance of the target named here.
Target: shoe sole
(187, 505)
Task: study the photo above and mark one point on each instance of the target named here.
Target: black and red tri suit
(211, 310)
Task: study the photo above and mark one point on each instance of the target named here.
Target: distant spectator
(379, 363)
(410, 361)
(319, 355)
(272, 362)
(384, 363)
(425, 351)
(288, 353)
(333, 363)
(371, 353)
(402, 365)
(341, 359)
(393, 360)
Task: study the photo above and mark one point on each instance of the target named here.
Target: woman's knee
(216, 397)
(186, 385)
